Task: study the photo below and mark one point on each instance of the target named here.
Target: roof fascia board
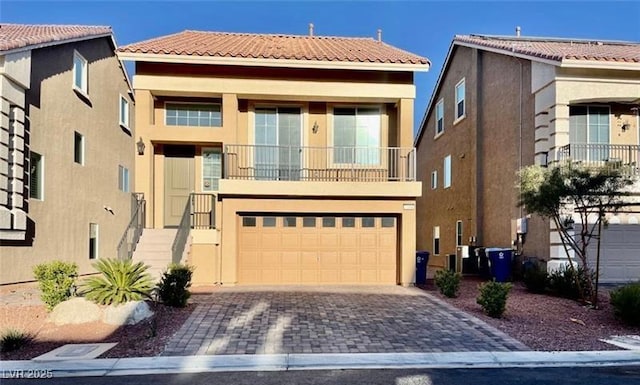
(184, 59)
(55, 42)
(595, 64)
(509, 53)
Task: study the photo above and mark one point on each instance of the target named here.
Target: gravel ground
(544, 322)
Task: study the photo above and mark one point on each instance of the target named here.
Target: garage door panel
(322, 254)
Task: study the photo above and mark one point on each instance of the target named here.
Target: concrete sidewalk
(285, 362)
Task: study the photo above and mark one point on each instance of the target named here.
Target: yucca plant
(121, 281)
(13, 339)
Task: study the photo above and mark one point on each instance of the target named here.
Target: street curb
(286, 362)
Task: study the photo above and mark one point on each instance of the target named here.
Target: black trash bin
(422, 259)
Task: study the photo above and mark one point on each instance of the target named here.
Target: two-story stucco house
(67, 147)
(504, 102)
(280, 159)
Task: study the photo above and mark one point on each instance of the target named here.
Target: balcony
(622, 157)
(319, 164)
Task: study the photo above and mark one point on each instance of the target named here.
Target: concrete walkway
(289, 320)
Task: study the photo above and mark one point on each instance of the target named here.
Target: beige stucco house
(287, 159)
(67, 147)
(504, 102)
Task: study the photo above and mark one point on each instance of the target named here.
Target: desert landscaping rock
(129, 313)
(75, 311)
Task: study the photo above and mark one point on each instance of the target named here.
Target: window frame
(124, 180)
(440, 119)
(169, 102)
(434, 179)
(459, 117)
(84, 77)
(379, 109)
(447, 174)
(124, 121)
(95, 246)
(459, 234)
(202, 176)
(436, 240)
(40, 176)
(81, 162)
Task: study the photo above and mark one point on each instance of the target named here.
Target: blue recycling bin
(500, 261)
(422, 259)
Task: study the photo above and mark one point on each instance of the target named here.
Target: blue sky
(422, 27)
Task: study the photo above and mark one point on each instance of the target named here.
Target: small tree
(558, 192)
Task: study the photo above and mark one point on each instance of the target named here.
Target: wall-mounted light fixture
(625, 126)
(140, 146)
(315, 127)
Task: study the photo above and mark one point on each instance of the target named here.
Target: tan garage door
(317, 250)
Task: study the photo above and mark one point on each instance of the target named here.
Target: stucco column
(145, 163)
(408, 244)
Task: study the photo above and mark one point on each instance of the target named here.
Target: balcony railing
(199, 213)
(622, 157)
(132, 234)
(336, 164)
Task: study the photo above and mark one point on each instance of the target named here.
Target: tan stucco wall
(75, 195)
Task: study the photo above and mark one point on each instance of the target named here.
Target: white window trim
(434, 179)
(97, 256)
(205, 149)
(444, 177)
(455, 107)
(331, 117)
(126, 182)
(82, 148)
(436, 230)
(85, 78)
(164, 107)
(438, 134)
(610, 119)
(459, 226)
(124, 123)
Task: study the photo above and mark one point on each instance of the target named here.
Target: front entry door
(179, 181)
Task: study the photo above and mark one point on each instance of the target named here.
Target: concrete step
(154, 250)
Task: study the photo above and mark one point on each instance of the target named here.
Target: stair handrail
(132, 233)
(199, 213)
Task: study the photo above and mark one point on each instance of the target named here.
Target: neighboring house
(504, 102)
(296, 152)
(67, 147)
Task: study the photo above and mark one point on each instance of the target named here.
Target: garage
(619, 253)
(306, 249)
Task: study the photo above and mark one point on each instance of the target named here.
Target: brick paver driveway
(259, 320)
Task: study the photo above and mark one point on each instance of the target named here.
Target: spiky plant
(13, 339)
(121, 281)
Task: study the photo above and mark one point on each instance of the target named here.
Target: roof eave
(508, 52)
(600, 64)
(262, 62)
(30, 47)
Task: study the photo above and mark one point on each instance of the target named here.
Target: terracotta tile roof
(559, 49)
(287, 47)
(13, 36)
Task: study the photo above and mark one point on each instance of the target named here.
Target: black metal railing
(199, 213)
(624, 158)
(303, 163)
(132, 234)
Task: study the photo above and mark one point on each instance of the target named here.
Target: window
(248, 221)
(93, 240)
(211, 168)
(388, 222)
(368, 222)
(356, 135)
(459, 233)
(436, 240)
(123, 179)
(193, 115)
(269, 222)
(78, 148)
(589, 125)
(348, 222)
(328, 222)
(278, 136)
(80, 73)
(36, 176)
(434, 180)
(447, 171)
(124, 112)
(290, 221)
(309, 222)
(460, 107)
(440, 117)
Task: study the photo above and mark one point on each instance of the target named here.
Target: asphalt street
(629, 375)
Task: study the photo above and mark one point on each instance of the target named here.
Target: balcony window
(590, 125)
(278, 137)
(211, 168)
(356, 135)
(193, 115)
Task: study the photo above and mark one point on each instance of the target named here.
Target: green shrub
(448, 282)
(56, 281)
(626, 303)
(563, 282)
(13, 339)
(536, 279)
(121, 281)
(173, 289)
(493, 298)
